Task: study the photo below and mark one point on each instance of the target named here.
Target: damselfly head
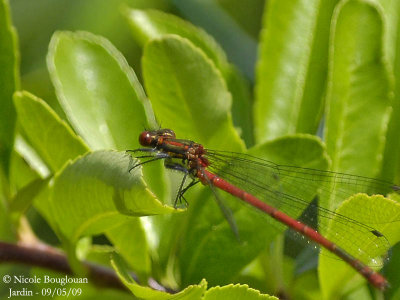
(149, 138)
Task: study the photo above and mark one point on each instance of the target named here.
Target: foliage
(326, 96)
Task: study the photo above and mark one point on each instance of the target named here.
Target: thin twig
(45, 256)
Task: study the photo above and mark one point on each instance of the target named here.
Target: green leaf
(23, 199)
(21, 172)
(151, 24)
(241, 104)
(240, 47)
(101, 95)
(53, 140)
(236, 291)
(98, 91)
(391, 160)
(51, 137)
(182, 81)
(392, 272)
(9, 82)
(248, 15)
(96, 253)
(96, 193)
(191, 292)
(358, 96)
(26, 155)
(357, 99)
(334, 274)
(129, 240)
(306, 286)
(209, 248)
(291, 72)
(7, 231)
(147, 25)
(390, 11)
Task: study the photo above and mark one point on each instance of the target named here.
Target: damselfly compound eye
(146, 138)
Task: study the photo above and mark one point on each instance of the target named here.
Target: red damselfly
(283, 192)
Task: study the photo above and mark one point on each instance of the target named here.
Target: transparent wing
(291, 189)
